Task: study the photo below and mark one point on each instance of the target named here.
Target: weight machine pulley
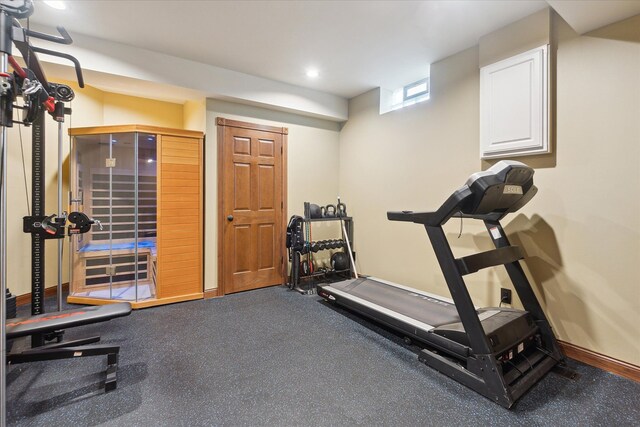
(38, 96)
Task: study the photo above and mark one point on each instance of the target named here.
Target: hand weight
(330, 211)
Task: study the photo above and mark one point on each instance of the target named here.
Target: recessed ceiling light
(55, 4)
(312, 73)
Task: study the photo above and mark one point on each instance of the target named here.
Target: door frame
(221, 124)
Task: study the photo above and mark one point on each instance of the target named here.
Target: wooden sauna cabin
(144, 185)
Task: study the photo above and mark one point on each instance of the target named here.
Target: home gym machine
(498, 352)
(40, 96)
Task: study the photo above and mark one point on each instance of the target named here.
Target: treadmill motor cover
(504, 327)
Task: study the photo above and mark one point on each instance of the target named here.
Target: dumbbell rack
(307, 284)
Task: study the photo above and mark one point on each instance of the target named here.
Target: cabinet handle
(230, 218)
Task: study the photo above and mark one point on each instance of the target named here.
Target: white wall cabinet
(514, 105)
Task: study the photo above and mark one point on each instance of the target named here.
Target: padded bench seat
(49, 322)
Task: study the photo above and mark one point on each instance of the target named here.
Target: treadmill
(498, 352)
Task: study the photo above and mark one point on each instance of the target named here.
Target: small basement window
(410, 94)
(416, 89)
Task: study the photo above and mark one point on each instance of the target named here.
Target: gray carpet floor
(275, 357)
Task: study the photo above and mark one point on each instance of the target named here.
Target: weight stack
(11, 305)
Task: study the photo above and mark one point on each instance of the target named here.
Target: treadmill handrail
(489, 195)
(449, 208)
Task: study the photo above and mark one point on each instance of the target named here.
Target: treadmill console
(504, 187)
(501, 188)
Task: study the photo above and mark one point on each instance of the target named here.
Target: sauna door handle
(230, 218)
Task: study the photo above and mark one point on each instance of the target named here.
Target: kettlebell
(330, 211)
(341, 209)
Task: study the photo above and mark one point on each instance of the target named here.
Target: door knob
(230, 218)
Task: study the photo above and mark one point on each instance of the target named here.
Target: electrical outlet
(505, 296)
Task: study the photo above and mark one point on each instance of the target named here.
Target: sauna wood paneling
(179, 216)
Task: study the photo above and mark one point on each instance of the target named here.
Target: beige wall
(91, 107)
(312, 165)
(412, 159)
(581, 232)
(593, 197)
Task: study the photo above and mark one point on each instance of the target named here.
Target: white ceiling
(356, 45)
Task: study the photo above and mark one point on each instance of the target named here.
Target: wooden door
(251, 205)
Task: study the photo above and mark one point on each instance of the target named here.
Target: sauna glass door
(146, 210)
(114, 182)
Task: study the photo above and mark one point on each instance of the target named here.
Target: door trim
(221, 123)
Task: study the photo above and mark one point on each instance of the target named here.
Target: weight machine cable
(3, 258)
(26, 39)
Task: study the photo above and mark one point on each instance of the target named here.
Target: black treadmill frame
(489, 379)
(482, 371)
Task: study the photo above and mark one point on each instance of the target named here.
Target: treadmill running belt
(422, 308)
